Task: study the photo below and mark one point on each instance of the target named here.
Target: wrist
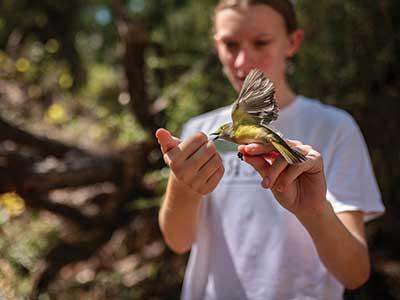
(318, 216)
(181, 189)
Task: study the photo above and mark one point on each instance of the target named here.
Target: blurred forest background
(84, 85)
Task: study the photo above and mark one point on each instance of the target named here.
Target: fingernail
(242, 149)
(249, 148)
(265, 182)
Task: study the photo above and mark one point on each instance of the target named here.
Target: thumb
(166, 140)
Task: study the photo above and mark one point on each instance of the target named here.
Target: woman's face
(253, 37)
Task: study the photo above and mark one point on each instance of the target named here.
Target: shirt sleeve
(350, 178)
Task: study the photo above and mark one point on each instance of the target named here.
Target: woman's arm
(301, 188)
(178, 216)
(341, 245)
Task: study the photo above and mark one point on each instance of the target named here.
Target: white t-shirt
(248, 246)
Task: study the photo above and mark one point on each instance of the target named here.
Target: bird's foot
(240, 155)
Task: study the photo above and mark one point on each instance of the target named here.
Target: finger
(191, 145)
(211, 167)
(212, 181)
(177, 155)
(293, 143)
(288, 177)
(190, 170)
(202, 156)
(271, 156)
(259, 164)
(313, 165)
(256, 149)
(203, 175)
(166, 140)
(299, 146)
(274, 171)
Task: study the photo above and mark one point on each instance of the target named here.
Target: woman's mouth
(240, 79)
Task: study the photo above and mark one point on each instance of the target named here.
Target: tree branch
(25, 172)
(43, 145)
(136, 41)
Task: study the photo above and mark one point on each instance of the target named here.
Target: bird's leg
(240, 155)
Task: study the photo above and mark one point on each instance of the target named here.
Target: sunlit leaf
(13, 204)
(52, 46)
(65, 81)
(56, 113)
(22, 65)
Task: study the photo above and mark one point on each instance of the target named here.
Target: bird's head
(223, 132)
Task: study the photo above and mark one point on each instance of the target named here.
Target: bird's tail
(291, 155)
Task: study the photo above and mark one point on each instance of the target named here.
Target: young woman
(298, 235)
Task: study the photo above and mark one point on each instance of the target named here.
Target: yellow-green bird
(252, 112)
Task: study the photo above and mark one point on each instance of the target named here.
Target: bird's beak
(216, 136)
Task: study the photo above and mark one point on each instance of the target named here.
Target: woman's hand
(194, 161)
(300, 188)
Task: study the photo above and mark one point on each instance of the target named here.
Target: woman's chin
(237, 84)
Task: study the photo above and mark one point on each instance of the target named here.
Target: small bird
(252, 112)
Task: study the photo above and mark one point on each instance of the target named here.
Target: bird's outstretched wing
(256, 102)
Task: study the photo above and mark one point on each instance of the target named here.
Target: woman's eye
(260, 44)
(230, 45)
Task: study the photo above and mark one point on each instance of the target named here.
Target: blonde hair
(283, 7)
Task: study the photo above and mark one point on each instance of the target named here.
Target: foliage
(62, 76)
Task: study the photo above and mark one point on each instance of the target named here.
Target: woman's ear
(295, 40)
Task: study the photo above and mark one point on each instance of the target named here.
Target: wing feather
(256, 102)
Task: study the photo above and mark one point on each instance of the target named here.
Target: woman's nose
(243, 59)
